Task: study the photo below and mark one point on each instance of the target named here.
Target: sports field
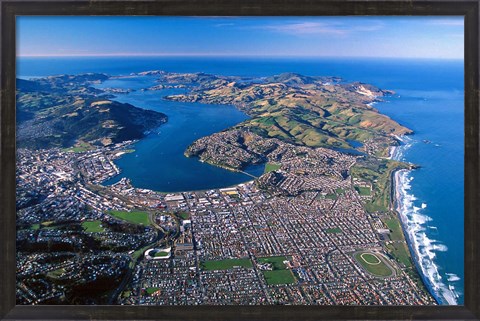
(373, 264)
(226, 264)
(276, 261)
(151, 290)
(279, 273)
(160, 254)
(279, 277)
(135, 217)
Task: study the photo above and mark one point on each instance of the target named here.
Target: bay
(158, 162)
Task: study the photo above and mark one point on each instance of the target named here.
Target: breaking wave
(452, 277)
(416, 225)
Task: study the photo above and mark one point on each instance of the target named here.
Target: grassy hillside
(308, 111)
(59, 112)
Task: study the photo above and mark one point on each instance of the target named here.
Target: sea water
(429, 100)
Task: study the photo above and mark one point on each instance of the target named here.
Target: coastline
(397, 208)
(414, 232)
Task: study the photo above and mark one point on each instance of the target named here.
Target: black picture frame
(11, 8)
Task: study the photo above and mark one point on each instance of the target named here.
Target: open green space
(379, 173)
(394, 226)
(184, 215)
(370, 258)
(135, 255)
(279, 274)
(160, 254)
(226, 264)
(35, 226)
(93, 226)
(135, 217)
(363, 191)
(373, 264)
(276, 261)
(139, 252)
(56, 273)
(270, 167)
(151, 290)
(47, 225)
(276, 277)
(400, 252)
(333, 230)
(80, 147)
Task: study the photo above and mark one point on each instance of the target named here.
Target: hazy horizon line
(193, 55)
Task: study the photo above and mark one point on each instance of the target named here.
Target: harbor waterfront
(160, 154)
(428, 99)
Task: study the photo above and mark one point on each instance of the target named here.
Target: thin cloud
(320, 28)
(448, 22)
(306, 28)
(221, 25)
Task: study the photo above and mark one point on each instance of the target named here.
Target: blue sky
(405, 37)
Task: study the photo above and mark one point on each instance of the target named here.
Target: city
(298, 234)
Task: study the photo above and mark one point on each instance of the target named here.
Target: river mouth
(158, 162)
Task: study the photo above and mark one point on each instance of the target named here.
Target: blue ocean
(429, 99)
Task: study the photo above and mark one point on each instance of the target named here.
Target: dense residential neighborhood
(299, 234)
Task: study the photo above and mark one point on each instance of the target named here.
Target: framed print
(247, 160)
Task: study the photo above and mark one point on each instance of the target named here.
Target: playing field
(93, 226)
(226, 264)
(161, 254)
(276, 261)
(152, 290)
(135, 217)
(279, 277)
(279, 274)
(373, 264)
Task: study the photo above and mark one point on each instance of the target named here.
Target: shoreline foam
(414, 225)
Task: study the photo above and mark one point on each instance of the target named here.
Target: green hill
(59, 111)
(308, 111)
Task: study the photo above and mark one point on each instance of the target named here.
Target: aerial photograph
(239, 160)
